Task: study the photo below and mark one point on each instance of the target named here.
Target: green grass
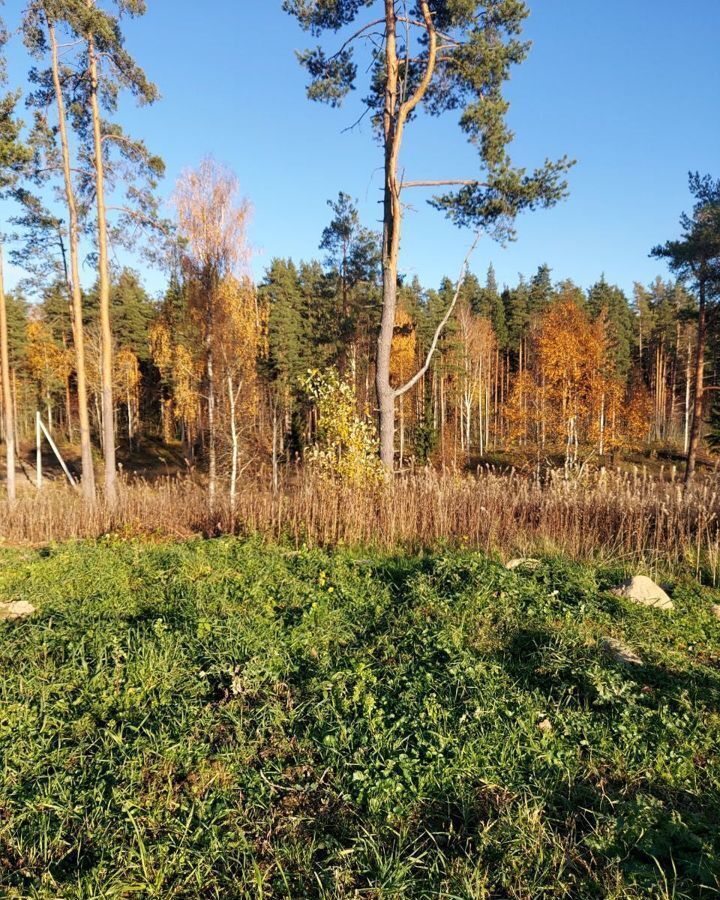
(225, 719)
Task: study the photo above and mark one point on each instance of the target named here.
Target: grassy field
(224, 719)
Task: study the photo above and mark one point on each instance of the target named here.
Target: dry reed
(609, 513)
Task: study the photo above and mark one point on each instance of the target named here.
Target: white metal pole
(57, 453)
(38, 452)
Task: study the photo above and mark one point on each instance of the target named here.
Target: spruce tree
(620, 321)
(353, 257)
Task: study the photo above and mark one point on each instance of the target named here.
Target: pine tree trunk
(104, 289)
(397, 108)
(15, 406)
(88, 473)
(275, 430)
(698, 401)
(7, 399)
(390, 246)
(686, 428)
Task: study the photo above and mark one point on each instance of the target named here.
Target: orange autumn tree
(161, 350)
(569, 356)
(402, 363)
(50, 363)
(553, 402)
(238, 335)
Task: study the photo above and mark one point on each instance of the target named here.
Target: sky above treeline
(628, 89)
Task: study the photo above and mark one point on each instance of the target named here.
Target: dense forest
(542, 366)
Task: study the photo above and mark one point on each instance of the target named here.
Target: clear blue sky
(629, 89)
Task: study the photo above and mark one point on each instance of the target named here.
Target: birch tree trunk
(234, 439)
(212, 452)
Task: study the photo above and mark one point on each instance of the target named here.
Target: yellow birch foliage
(569, 354)
(161, 348)
(404, 344)
(637, 414)
(50, 364)
(127, 373)
(187, 375)
(347, 445)
(239, 335)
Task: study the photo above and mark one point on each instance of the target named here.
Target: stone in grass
(522, 562)
(641, 589)
(715, 609)
(621, 652)
(16, 609)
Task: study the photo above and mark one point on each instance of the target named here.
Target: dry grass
(609, 514)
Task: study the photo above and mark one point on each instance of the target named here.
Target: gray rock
(641, 589)
(621, 652)
(522, 562)
(16, 609)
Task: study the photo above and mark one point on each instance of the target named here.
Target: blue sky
(629, 89)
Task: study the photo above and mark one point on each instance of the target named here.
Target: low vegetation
(632, 516)
(230, 719)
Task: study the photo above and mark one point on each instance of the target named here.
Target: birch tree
(212, 220)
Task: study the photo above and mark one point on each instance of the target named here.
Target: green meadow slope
(225, 719)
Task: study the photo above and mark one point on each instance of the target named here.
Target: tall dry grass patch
(614, 514)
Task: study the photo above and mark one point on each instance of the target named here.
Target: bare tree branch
(443, 322)
(439, 183)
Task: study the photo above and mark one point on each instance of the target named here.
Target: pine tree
(14, 157)
(451, 67)
(696, 255)
(40, 25)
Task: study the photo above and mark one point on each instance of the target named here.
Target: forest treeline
(542, 366)
(338, 360)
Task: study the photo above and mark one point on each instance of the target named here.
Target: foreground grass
(226, 719)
